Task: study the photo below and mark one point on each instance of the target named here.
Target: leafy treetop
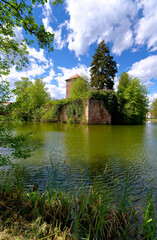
(29, 97)
(133, 100)
(153, 109)
(79, 87)
(15, 13)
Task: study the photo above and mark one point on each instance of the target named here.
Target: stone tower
(69, 81)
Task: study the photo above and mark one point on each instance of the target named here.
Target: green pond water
(109, 155)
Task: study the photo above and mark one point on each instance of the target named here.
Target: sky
(129, 28)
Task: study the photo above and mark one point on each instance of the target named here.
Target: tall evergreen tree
(103, 68)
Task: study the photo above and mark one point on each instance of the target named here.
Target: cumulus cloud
(59, 43)
(34, 54)
(94, 20)
(58, 90)
(47, 13)
(145, 69)
(117, 22)
(152, 97)
(146, 28)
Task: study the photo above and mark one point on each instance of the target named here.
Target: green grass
(58, 214)
(54, 214)
(152, 119)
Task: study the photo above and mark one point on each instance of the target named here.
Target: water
(80, 154)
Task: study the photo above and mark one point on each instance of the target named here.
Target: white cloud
(50, 76)
(38, 65)
(18, 33)
(39, 55)
(152, 97)
(58, 91)
(47, 13)
(116, 83)
(145, 69)
(95, 20)
(59, 43)
(146, 28)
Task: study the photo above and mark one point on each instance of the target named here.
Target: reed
(32, 215)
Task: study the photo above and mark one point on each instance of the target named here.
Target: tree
(38, 94)
(154, 108)
(19, 13)
(29, 98)
(133, 100)
(79, 87)
(103, 68)
(18, 145)
(22, 105)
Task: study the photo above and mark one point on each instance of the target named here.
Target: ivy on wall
(75, 110)
(75, 107)
(108, 96)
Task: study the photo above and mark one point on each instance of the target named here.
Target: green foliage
(4, 92)
(12, 145)
(154, 108)
(14, 13)
(149, 221)
(75, 110)
(57, 214)
(29, 99)
(52, 110)
(103, 68)
(133, 101)
(79, 88)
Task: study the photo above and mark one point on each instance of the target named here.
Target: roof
(6, 103)
(73, 77)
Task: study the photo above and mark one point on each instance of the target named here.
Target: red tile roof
(75, 76)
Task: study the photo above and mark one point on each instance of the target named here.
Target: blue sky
(129, 27)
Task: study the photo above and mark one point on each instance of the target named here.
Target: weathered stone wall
(68, 85)
(62, 115)
(95, 112)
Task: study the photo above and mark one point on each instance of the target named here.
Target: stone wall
(68, 85)
(62, 115)
(94, 112)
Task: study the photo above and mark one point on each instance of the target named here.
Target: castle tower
(69, 81)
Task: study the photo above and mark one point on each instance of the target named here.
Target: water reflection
(110, 154)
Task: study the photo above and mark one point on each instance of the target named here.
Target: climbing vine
(75, 110)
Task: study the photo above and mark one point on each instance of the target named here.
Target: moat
(77, 155)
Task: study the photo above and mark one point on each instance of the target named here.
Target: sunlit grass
(32, 215)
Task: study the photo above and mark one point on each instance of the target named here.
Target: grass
(152, 119)
(60, 215)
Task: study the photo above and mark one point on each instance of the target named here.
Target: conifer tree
(103, 68)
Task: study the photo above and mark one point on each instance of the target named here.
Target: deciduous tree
(19, 13)
(79, 87)
(29, 97)
(154, 108)
(133, 100)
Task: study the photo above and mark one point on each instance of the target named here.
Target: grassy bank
(59, 215)
(151, 119)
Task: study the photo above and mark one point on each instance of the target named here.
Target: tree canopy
(154, 108)
(133, 100)
(79, 87)
(19, 13)
(29, 98)
(103, 68)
